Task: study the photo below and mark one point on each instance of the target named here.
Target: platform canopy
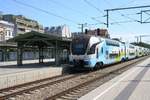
(39, 40)
(7, 44)
(34, 38)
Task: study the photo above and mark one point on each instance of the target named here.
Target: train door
(97, 53)
(106, 55)
(102, 55)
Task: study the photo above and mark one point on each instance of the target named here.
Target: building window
(6, 33)
(9, 33)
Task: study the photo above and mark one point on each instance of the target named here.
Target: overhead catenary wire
(125, 16)
(100, 22)
(74, 10)
(44, 11)
(92, 5)
(68, 8)
(125, 21)
(129, 18)
(100, 11)
(47, 12)
(127, 3)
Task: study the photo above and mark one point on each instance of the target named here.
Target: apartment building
(23, 24)
(6, 30)
(61, 31)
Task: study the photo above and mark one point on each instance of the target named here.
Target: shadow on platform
(145, 66)
(33, 65)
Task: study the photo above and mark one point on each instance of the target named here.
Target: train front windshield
(79, 45)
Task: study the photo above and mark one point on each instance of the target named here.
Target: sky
(123, 23)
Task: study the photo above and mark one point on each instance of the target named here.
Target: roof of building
(20, 16)
(103, 31)
(37, 38)
(6, 23)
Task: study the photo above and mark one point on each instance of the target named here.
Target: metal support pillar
(3, 54)
(82, 28)
(141, 17)
(19, 54)
(34, 53)
(140, 39)
(42, 49)
(137, 40)
(107, 15)
(56, 53)
(40, 54)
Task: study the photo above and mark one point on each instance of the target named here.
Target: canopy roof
(39, 39)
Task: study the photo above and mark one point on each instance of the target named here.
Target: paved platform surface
(24, 62)
(11, 66)
(133, 84)
(11, 74)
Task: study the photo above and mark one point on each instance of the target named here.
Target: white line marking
(114, 85)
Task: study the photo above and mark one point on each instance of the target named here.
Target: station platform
(28, 65)
(11, 74)
(24, 62)
(133, 84)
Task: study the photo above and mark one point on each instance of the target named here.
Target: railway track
(25, 88)
(66, 87)
(76, 92)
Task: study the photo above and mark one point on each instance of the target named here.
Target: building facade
(98, 32)
(6, 30)
(23, 24)
(75, 34)
(61, 31)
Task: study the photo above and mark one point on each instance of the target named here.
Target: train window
(112, 43)
(107, 52)
(79, 45)
(92, 49)
(131, 53)
(97, 53)
(101, 50)
(131, 46)
(111, 56)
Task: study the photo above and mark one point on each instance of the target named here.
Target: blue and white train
(94, 52)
